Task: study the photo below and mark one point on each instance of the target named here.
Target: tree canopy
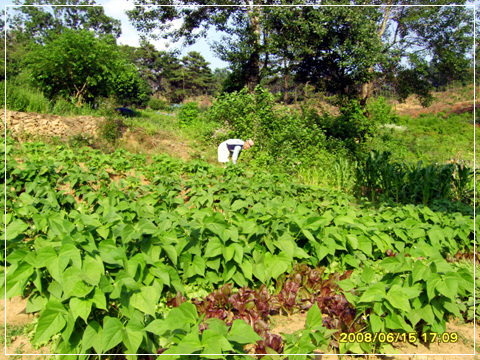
(30, 20)
(79, 66)
(346, 50)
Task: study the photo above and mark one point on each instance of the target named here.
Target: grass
(430, 138)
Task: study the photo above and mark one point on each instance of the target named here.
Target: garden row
(101, 243)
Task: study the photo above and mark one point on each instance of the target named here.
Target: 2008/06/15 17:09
(380, 337)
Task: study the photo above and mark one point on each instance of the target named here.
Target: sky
(116, 9)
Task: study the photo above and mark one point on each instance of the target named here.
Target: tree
(197, 76)
(439, 37)
(329, 47)
(156, 67)
(31, 21)
(243, 45)
(76, 65)
(337, 52)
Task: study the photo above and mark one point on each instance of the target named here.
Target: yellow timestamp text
(411, 337)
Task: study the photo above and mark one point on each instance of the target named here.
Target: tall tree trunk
(368, 87)
(285, 79)
(253, 65)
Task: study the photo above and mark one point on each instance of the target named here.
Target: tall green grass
(429, 138)
(380, 179)
(21, 97)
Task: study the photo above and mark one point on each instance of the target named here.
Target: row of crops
(120, 255)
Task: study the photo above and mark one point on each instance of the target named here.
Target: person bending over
(232, 147)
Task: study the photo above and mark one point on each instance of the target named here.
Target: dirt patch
(421, 351)
(447, 102)
(48, 125)
(21, 123)
(13, 311)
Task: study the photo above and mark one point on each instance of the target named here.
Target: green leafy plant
(188, 113)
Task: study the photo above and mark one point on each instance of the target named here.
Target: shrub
(285, 139)
(111, 129)
(22, 98)
(380, 112)
(188, 113)
(158, 104)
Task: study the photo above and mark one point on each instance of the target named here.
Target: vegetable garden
(121, 256)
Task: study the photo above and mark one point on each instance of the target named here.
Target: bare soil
(24, 125)
(421, 351)
(13, 311)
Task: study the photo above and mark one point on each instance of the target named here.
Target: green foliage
(44, 20)
(378, 178)
(414, 296)
(158, 104)
(102, 73)
(350, 130)
(129, 88)
(98, 258)
(110, 129)
(27, 99)
(188, 113)
(380, 112)
(285, 138)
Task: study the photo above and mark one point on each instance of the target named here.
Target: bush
(158, 104)
(188, 113)
(380, 112)
(285, 139)
(23, 98)
(111, 128)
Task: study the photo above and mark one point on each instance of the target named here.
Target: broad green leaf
(397, 297)
(71, 252)
(228, 252)
(133, 335)
(197, 267)
(314, 317)
(239, 204)
(17, 279)
(189, 312)
(247, 269)
(286, 244)
(448, 286)
(15, 228)
(92, 269)
(419, 271)
(352, 240)
(376, 292)
(367, 275)
(214, 247)
(189, 344)
(376, 323)
(214, 343)
(92, 337)
(80, 308)
(249, 227)
(50, 322)
(435, 234)
(73, 285)
(432, 282)
(112, 333)
(242, 333)
(45, 255)
(157, 327)
(146, 227)
(427, 314)
(145, 300)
